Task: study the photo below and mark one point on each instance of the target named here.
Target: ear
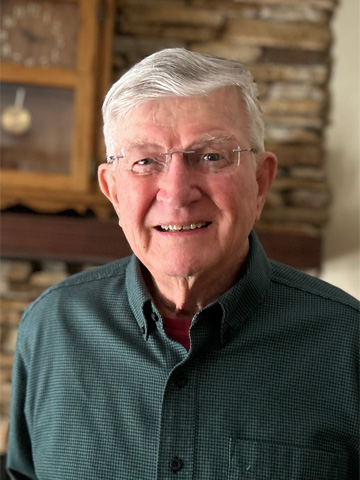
(265, 174)
(107, 184)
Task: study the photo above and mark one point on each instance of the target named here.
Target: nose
(178, 186)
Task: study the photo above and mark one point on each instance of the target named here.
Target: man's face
(225, 207)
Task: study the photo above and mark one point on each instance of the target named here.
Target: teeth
(178, 228)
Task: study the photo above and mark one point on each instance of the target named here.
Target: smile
(180, 228)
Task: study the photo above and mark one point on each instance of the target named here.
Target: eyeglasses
(207, 159)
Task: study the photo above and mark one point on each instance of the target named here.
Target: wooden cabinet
(56, 68)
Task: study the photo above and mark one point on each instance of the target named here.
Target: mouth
(182, 228)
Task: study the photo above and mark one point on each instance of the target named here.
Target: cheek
(236, 196)
(134, 201)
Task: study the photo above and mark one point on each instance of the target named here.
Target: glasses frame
(112, 158)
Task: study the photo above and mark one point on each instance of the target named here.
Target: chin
(184, 267)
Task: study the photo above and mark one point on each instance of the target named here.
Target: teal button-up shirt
(269, 388)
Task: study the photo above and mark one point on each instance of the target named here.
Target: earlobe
(265, 174)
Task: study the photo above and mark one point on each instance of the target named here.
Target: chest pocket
(250, 460)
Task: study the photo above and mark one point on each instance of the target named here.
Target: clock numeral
(8, 22)
(47, 17)
(55, 55)
(19, 12)
(56, 26)
(34, 10)
(60, 42)
(6, 50)
(3, 35)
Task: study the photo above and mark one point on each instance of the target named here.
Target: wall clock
(56, 58)
(39, 33)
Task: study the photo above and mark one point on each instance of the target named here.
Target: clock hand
(30, 36)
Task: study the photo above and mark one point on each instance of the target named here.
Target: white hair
(178, 72)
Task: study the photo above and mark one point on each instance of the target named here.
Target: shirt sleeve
(19, 461)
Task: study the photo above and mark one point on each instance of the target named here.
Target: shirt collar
(139, 297)
(240, 301)
(236, 304)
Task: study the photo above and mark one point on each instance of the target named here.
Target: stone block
(308, 198)
(242, 54)
(189, 34)
(328, 5)
(262, 89)
(296, 91)
(126, 4)
(8, 339)
(4, 428)
(288, 107)
(314, 74)
(5, 397)
(53, 266)
(291, 135)
(13, 304)
(308, 173)
(274, 199)
(294, 56)
(268, 34)
(174, 15)
(294, 121)
(296, 154)
(10, 317)
(125, 44)
(228, 5)
(19, 271)
(45, 279)
(285, 13)
(5, 373)
(6, 360)
(288, 184)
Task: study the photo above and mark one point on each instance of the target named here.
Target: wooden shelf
(79, 239)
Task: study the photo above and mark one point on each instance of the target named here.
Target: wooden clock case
(58, 55)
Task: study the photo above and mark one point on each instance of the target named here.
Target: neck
(182, 297)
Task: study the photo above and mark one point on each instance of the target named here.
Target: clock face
(39, 33)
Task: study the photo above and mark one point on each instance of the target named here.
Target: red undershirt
(178, 329)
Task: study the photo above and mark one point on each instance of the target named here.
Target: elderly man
(197, 356)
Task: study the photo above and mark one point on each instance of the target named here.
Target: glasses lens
(144, 161)
(213, 160)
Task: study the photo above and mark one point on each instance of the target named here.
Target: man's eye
(145, 161)
(146, 166)
(212, 157)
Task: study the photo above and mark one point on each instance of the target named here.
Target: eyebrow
(206, 138)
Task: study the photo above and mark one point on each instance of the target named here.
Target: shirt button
(176, 464)
(154, 316)
(181, 380)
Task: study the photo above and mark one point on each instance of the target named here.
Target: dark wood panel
(36, 237)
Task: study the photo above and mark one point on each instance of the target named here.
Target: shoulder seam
(281, 281)
(69, 282)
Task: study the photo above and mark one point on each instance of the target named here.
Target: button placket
(177, 441)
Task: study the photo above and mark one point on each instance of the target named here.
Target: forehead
(171, 120)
